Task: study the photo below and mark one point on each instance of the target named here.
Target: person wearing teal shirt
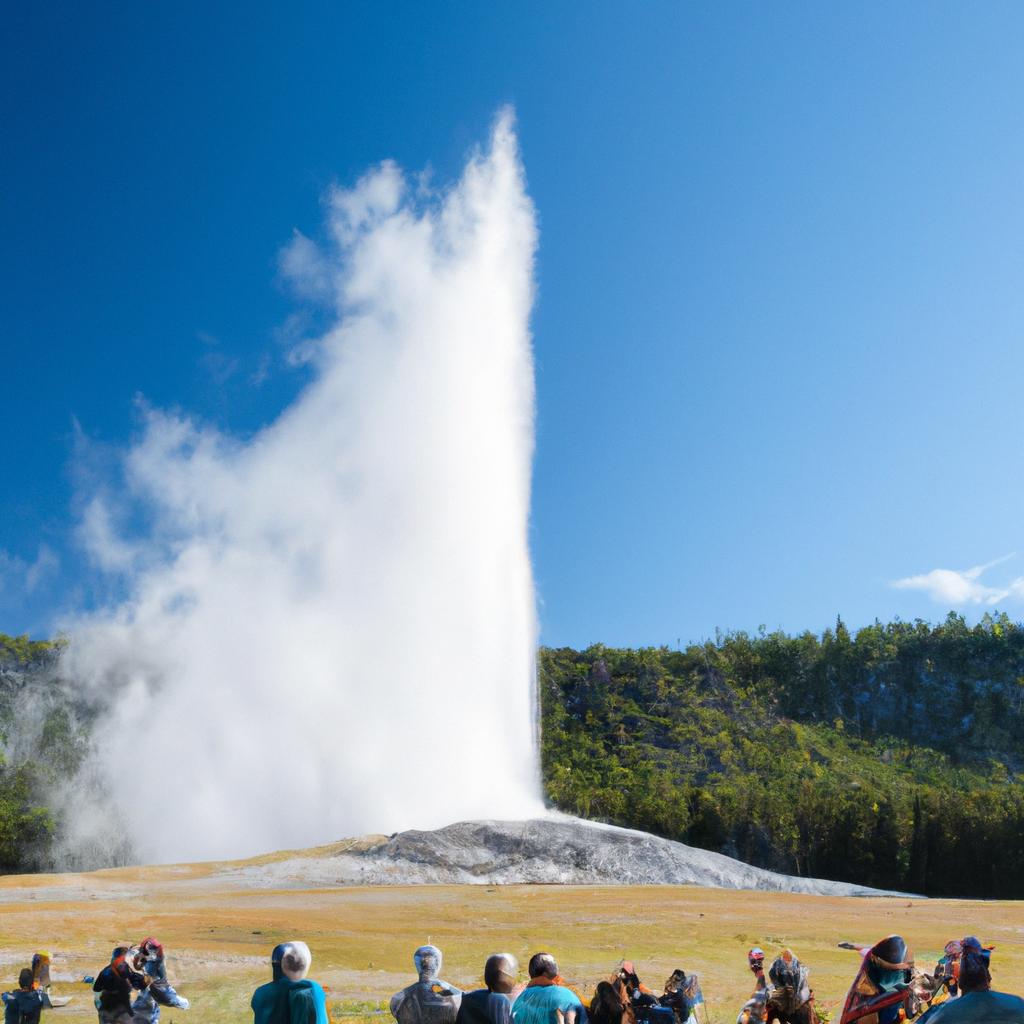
(307, 1002)
(544, 1001)
(290, 998)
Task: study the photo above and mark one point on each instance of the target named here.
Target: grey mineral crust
(541, 850)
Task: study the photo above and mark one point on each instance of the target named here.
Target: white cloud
(19, 578)
(46, 564)
(331, 625)
(963, 587)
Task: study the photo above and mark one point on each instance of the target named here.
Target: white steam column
(330, 627)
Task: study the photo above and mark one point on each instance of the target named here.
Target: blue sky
(779, 318)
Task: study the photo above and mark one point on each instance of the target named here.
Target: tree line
(890, 757)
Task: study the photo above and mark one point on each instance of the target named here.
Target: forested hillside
(891, 757)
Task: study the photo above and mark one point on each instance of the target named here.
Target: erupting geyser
(330, 627)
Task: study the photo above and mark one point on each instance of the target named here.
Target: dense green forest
(890, 757)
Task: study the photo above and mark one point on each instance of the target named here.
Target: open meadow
(219, 933)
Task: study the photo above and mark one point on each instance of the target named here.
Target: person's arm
(580, 1012)
(501, 1009)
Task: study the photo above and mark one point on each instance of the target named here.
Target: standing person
(307, 1002)
(26, 1003)
(977, 1003)
(491, 1005)
(114, 986)
(544, 1001)
(755, 1009)
(150, 960)
(273, 1003)
(41, 970)
(428, 1000)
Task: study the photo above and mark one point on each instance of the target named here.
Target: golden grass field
(219, 935)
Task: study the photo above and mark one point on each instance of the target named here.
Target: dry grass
(219, 936)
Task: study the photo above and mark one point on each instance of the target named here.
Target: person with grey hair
(291, 997)
(307, 1002)
(545, 1000)
(428, 1000)
(491, 1005)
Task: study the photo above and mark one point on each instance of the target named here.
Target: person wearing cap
(977, 1003)
(26, 1003)
(429, 1000)
(491, 1005)
(544, 1000)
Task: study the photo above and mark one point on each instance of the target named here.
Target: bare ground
(219, 934)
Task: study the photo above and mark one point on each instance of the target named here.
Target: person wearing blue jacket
(25, 1004)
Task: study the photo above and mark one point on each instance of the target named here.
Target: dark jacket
(24, 1006)
(115, 984)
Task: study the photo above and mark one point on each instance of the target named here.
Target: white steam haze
(330, 627)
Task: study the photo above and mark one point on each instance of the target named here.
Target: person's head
(119, 951)
(542, 965)
(756, 959)
(676, 980)
(427, 960)
(500, 972)
(628, 976)
(974, 961)
(296, 961)
(276, 957)
(150, 949)
(25, 978)
(891, 963)
(606, 1004)
(784, 971)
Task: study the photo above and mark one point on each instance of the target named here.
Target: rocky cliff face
(542, 850)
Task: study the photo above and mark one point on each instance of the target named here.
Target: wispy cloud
(19, 577)
(958, 587)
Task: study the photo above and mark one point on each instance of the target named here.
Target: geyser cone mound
(538, 850)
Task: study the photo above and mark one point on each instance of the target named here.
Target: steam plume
(330, 628)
